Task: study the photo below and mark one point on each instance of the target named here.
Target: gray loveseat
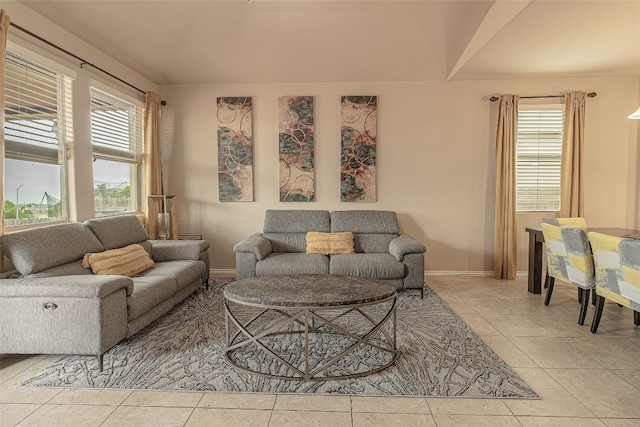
(381, 252)
(56, 306)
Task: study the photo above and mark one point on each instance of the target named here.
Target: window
(117, 138)
(38, 131)
(538, 157)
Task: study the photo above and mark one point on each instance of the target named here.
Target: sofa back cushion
(372, 230)
(117, 231)
(287, 229)
(37, 249)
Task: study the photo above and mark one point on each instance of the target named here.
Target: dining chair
(617, 266)
(569, 259)
(579, 222)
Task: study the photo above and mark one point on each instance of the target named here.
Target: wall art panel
(235, 149)
(296, 145)
(358, 156)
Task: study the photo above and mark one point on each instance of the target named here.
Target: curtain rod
(590, 95)
(83, 62)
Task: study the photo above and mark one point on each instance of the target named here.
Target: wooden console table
(536, 239)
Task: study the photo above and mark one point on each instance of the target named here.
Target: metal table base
(303, 322)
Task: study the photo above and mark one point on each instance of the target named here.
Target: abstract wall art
(235, 149)
(296, 149)
(358, 149)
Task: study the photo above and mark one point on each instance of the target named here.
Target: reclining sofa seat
(381, 251)
(58, 307)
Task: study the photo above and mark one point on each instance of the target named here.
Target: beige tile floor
(584, 379)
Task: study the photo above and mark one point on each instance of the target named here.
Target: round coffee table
(310, 327)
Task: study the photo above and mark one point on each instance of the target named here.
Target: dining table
(536, 242)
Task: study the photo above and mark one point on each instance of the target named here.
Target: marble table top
(310, 290)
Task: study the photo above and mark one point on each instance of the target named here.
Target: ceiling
(263, 41)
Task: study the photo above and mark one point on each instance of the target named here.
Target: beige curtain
(504, 241)
(572, 176)
(4, 27)
(153, 158)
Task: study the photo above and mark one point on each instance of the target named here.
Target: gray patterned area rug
(184, 350)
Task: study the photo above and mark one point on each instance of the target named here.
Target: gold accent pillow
(330, 243)
(126, 261)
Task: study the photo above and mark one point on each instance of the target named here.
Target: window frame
(135, 154)
(41, 152)
(539, 157)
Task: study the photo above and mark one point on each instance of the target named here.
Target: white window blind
(38, 115)
(538, 158)
(116, 128)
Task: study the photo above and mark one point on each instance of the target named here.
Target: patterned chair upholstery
(569, 259)
(617, 263)
(578, 222)
(566, 222)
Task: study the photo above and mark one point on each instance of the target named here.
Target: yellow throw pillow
(127, 261)
(330, 243)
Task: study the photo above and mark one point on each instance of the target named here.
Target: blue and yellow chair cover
(569, 259)
(617, 263)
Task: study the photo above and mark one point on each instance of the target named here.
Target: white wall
(435, 153)
(435, 160)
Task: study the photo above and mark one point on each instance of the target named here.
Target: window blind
(116, 128)
(538, 158)
(38, 113)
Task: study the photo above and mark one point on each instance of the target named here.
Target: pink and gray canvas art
(358, 149)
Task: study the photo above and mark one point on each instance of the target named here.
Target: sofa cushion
(372, 230)
(287, 242)
(296, 221)
(376, 266)
(38, 249)
(117, 231)
(329, 243)
(184, 272)
(127, 261)
(365, 222)
(293, 263)
(71, 269)
(149, 291)
(287, 229)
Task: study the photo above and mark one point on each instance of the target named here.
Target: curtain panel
(152, 155)
(505, 252)
(4, 27)
(571, 172)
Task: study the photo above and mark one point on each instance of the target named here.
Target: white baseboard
(232, 273)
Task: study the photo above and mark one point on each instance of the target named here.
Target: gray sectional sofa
(381, 252)
(56, 306)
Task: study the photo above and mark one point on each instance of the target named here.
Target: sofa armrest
(257, 244)
(171, 250)
(403, 245)
(76, 286)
